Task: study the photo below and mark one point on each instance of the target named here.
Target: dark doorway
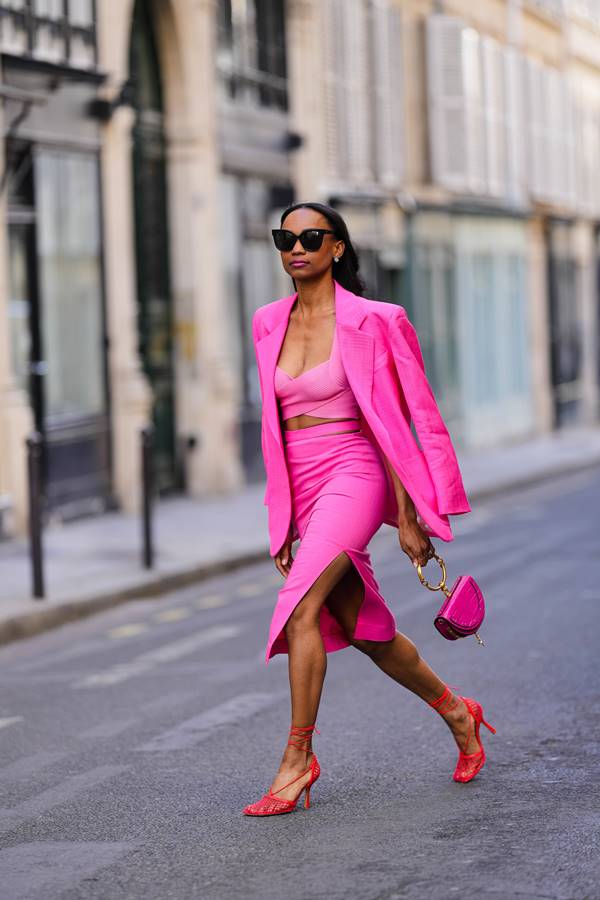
(566, 325)
(155, 328)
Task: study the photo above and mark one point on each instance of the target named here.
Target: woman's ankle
(295, 758)
(449, 705)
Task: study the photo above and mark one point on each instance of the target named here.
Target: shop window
(431, 307)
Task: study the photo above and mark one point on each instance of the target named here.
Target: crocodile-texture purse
(463, 610)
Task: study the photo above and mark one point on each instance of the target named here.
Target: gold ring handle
(438, 587)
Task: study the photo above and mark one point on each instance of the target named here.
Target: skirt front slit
(338, 485)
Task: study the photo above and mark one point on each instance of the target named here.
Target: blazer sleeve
(433, 435)
(255, 338)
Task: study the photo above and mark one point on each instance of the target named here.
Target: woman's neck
(315, 298)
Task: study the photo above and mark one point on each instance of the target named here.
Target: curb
(35, 622)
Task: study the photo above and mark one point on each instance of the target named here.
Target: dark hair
(345, 272)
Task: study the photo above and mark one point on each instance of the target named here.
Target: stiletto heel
(487, 724)
(271, 805)
(469, 764)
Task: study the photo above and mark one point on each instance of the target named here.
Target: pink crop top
(322, 391)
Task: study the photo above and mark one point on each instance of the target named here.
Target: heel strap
(299, 734)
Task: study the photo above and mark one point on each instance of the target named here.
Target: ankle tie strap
(300, 734)
(444, 703)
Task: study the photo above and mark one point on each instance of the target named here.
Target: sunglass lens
(312, 240)
(284, 240)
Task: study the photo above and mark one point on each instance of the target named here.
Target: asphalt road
(130, 742)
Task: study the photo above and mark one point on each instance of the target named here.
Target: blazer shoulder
(384, 311)
(265, 315)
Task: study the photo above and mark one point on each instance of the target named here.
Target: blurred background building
(150, 145)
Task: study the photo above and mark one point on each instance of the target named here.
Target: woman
(341, 379)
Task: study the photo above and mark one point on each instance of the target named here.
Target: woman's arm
(406, 507)
(413, 540)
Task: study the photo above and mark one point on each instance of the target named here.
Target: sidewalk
(96, 563)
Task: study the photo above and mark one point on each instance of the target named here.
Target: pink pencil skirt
(338, 486)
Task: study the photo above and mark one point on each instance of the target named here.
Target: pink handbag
(462, 612)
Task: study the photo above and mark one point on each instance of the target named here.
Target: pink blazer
(384, 366)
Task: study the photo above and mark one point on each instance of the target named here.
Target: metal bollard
(147, 436)
(35, 447)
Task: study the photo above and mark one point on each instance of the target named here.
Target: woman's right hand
(415, 542)
(283, 558)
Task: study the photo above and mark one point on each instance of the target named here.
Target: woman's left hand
(415, 543)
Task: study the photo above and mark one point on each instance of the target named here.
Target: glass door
(69, 386)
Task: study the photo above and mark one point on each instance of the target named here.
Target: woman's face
(304, 265)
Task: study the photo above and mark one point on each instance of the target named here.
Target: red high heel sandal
(469, 764)
(271, 805)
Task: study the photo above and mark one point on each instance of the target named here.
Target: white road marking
(85, 648)
(49, 868)
(108, 729)
(249, 590)
(167, 653)
(55, 796)
(211, 601)
(173, 615)
(10, 720)
(28, 766)
(170, 701)
(193, 731)
(125, 631)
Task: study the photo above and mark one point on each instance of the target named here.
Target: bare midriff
(305, 421)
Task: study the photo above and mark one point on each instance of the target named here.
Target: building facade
(150, 146)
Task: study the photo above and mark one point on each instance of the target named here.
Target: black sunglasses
(311, 238)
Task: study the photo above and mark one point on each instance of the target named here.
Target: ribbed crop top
(322, 391)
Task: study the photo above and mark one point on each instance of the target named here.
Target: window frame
(27, 21)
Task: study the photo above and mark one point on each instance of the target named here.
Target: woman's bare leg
(307, 665)
(400, 659)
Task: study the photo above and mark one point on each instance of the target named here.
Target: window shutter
(570, 137)
(515, 124)
(355, 27)
(594, 154)
(580, 159)
(494, 116)
(387, 77)
(536, 101)
(334, 126)
(556, 188)
(446, 105)
(473, 81)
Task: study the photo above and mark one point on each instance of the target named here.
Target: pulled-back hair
(345, 272)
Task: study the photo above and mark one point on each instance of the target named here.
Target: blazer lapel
(267, 350)
(356, 350)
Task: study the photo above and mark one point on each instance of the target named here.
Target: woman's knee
(405, 649)
(373, 649)
(304, 616)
